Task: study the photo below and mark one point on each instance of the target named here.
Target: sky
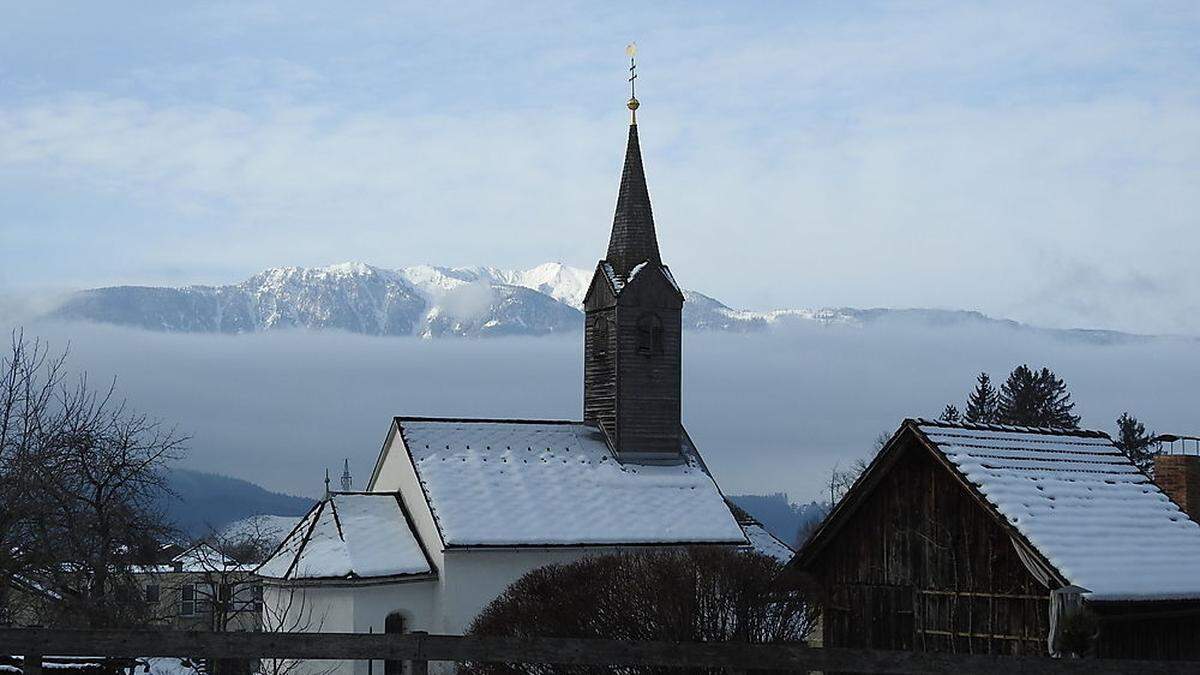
(1039, 161)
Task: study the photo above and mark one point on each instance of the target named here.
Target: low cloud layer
(770, 412)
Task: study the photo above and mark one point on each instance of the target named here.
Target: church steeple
(632, 371)
(633, 240)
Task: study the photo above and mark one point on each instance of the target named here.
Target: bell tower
(632, 339)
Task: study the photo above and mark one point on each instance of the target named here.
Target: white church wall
(475, 577)
(416, 601)
(396, 474)
(310, 609)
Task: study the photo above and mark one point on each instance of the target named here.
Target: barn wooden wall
(922, 566)
(1160, 630)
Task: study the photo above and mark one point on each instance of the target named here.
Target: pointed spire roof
(633, 240)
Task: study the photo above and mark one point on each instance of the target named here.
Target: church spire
(632, 240)
(633, 336)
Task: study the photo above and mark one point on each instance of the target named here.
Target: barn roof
(557, 483)
(1074, 498)
(1083, 504)
(350, 536)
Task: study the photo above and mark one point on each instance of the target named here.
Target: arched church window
(649, 334)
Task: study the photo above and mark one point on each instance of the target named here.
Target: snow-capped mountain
(422, 300)
(428, 301)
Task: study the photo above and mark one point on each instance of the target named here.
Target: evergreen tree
(1036, 399)
(950, 414)
(982, 403)
(1135, 442)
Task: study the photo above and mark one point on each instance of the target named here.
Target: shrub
(698, 595)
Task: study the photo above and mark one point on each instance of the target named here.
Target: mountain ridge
(431, 302)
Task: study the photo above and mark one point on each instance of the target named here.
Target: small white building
(458, 509)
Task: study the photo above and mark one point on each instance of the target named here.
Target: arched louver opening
(600, 338)
(649, 334)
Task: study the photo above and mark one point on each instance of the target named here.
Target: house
(987, 539)
(458, 509)
(199, 588)
(27, 602)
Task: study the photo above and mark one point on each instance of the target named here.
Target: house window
(649, 335)
(153, 593)
(258, 598)
(187, 600)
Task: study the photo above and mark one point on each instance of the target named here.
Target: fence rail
(419, 648)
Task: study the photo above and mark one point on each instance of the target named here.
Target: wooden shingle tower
(632, 340)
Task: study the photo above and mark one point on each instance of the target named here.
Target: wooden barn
(990, 539)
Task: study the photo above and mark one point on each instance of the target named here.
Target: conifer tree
(1135, 442)
(950, 414)
(982, 403)
(1036, 399)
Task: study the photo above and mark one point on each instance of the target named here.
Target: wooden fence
(420, 649)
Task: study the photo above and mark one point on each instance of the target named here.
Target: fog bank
(771, 412)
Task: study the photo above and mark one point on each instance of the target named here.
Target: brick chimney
(1179, 477)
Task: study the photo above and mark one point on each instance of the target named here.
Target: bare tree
(290, 611)
(81, 479)
(29, 381)
(224, 576)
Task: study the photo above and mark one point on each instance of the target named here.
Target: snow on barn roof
(350, 536)
(1082, 504)
(529, 483)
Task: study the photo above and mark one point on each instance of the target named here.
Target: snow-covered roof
(1082, 504)
(766, 543)
(528, 483)
(269, 528)
(759, 539)
(618, 283)
(196, 559)
(350, 536)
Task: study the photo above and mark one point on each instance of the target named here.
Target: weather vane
(631, 51)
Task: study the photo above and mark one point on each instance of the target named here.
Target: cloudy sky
(1039, 161)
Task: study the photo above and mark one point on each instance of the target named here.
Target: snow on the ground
(166, 665)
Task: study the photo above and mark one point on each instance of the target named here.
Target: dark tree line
(1028, 398)
(80, 479)
(1039, 398)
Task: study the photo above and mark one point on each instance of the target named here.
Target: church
(458, 509)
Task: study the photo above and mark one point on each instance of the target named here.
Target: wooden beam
(31, 664)
(560, 651)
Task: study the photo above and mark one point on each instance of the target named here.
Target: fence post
(32, 665)
(419, 666)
